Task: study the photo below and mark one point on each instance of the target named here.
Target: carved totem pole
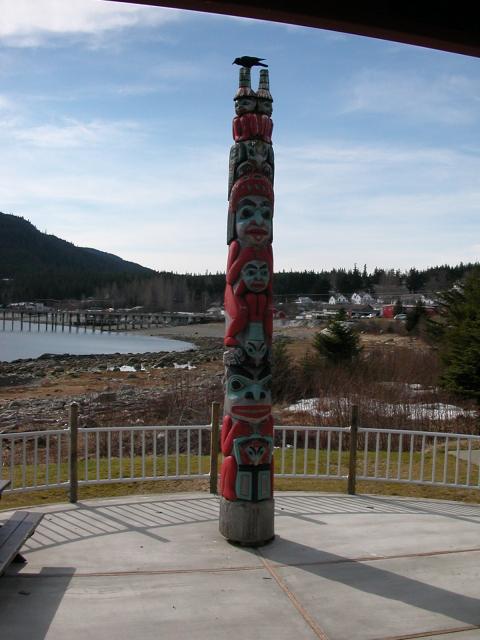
(246, 510)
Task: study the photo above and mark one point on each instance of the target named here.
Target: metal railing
(73, 457)
(311, 452)
(35, 460)
(47, 459)
(419, 457)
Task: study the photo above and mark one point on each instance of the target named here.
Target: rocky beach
(118, 389)
(134, 389)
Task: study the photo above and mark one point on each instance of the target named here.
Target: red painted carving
(252, 126)
(241, 305)
(232, 429)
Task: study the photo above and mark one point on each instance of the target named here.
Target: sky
(115, 131)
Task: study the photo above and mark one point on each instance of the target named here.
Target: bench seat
(3, 485)
(13, 534)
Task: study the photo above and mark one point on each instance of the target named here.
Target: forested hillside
(38, 266)
(35, 265)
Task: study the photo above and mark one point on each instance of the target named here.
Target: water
(16, 344)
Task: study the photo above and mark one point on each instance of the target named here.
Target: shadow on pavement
(372, 579)
(350, 505)
(29, 604)
(86, 521)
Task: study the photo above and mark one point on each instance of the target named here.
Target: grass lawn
(436, 467)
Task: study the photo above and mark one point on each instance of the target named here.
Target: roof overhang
(444, 25)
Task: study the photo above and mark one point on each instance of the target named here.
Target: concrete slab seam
(422, 554)
(368, 559)
(432, 632)
(318, 631)
(140, 572)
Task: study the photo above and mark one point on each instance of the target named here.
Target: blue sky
(115, 130)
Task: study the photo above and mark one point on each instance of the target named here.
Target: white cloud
(341, 167)
(393, 206)
(4, 103)
(31, 22)
(336, 203)
(447, 99)
(73, 133)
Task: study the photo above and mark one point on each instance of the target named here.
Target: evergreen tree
(356, 279)
(458, 334)
(398, 308)
(338, 343)
(414, 280)
(415, 316)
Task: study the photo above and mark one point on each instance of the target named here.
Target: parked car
(400, 316)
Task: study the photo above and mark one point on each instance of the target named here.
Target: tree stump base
(247, 523)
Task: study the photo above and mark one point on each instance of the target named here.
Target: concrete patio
(155, 567)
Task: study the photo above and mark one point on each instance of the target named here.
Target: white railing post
(73, 455)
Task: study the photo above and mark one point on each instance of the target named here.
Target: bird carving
(249, 62)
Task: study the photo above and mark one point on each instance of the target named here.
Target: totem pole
(246, 508)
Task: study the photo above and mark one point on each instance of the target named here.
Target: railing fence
(78, 456)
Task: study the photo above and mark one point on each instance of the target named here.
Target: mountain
(36, 265)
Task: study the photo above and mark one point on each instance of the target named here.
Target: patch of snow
(413, 387)
(325, 408)
(126, 367)
(188, 366)
(439, 411)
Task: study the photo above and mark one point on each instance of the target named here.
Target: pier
(13, 320)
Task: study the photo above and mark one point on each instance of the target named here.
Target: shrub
(415, 317)
(284, 374)
(338, 343)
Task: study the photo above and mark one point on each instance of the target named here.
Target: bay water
(16, 344)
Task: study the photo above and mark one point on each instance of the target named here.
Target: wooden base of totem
(247, 523)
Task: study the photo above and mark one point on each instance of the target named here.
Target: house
(215, 312)
(388, 310)
(303, 300)
(365, 311)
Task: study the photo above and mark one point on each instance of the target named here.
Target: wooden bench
(3, 485)
(13, 533)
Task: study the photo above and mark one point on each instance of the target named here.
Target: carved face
(257, 150)
(248, 397)
(245, 104)
(253, 156)
(253, 221)
(256, 275)
(256, 350)
(254, 450)
(254, 342)
(264, 106)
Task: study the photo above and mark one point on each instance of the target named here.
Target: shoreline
(188, 332)
(130, 388)
(164, 387)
